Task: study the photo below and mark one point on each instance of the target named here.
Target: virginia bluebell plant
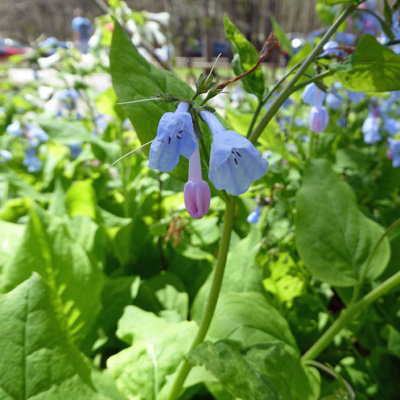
(34, 137)
(370, 128)
(319, 116)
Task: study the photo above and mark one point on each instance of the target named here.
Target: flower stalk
(213, 297)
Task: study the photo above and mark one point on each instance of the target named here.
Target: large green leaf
(245, 57)
(372, 67)
(157, 348)
(48, 249)
(249, 318)
(134, 78)
(333, 236)
(38, 359)
(268, 371)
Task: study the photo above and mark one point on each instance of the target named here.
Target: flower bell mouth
(234, 161)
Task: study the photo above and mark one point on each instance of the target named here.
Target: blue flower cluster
(234, 161)
(35, 136)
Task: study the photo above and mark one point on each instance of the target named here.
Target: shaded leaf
(372, 67)
(38, 358)
(334, 238)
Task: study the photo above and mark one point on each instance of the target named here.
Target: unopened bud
(197, 197)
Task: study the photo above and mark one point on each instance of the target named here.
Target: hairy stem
(347, 316)
(289, 88)
(212, 298)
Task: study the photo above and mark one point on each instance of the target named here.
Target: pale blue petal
(235, 163)
(175, 136)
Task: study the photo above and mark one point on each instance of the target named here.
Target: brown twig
(270, 44)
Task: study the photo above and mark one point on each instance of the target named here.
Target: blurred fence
(25, 20)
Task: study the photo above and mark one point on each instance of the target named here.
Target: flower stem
(289, 89)
(212, 298)
(364, 271)
(348, 315)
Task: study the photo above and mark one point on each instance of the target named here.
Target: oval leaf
(334, 238)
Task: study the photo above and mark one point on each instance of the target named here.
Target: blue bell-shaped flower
(175, 136)
(234, 161)
(370, 128)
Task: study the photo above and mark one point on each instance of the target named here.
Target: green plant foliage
(371, 68)
(141, 370)
(280, 34)
(256, 372)
(48, 249)
(41, 361)
(333, 237)
(245, 57)
(134, 78)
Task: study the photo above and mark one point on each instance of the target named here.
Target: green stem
(364, 270)
(212, 298)
(289, 88)
(313, 79)
(348, 315)
(255, 116)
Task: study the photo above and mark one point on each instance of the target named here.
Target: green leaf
(48, 249)
(134, 78)
(69, 132)
(334, 238)
(280, 34)
(268, 371)
(249, 318)
(38, 359)
(81, 199)
(394, 341)
(10, 235)
(285, 281)
(245, 57)
(371, 68)
(165, 295)
(157, 348)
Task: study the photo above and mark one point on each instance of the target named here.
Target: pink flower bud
(319, 119)
(197, 192)
(197, 198)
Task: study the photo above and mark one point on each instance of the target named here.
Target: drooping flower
(390, 125)
(197, 193)
(5, 156)
(31, 161)
(394, 148)
(34, 132)
(14, 129)
(319, 119)
(175, 136)
(355, 97)
(234, 161)
(370, 128)
(334, 100)
(313, 95)
(319, 116)
(254, 216)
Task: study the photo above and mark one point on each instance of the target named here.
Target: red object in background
(10, 47)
